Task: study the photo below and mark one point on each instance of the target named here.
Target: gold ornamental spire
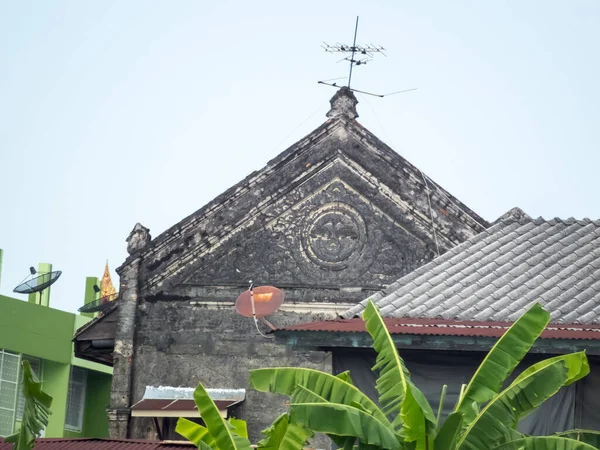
(107, 290)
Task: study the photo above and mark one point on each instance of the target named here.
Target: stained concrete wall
(182, 345)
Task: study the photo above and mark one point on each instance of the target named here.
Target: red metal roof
(440, 327)
(102, 444)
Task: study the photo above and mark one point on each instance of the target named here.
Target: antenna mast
(357, 55)
(353, 52)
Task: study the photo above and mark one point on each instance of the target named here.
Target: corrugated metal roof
(165, 399)
(443, 327)
(175, 405)
(101, 444)
(497, 274)
(187, 393)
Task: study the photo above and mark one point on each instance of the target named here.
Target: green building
(80, 389)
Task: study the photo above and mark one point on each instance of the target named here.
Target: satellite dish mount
(37, 282)
(258, 302)
(99, 305)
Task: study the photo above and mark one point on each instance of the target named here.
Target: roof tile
(501, 271)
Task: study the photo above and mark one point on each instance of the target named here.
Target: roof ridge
(513, 214)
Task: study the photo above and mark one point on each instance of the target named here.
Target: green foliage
(195, 433)
(232, 434)
(283, 434)
(533, 387)
(501, 360)
(397, 394)
(485, 416)
(35, 411)
(219, 434)
(285, 380)
(586, 436)
(544, 443)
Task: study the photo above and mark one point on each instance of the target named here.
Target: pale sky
(115, 112)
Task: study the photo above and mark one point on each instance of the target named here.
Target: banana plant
(35, 411)
(590, 437)
(232, 434)
(485, 416)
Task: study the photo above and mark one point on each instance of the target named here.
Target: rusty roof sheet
(442, 327)
(102, 444)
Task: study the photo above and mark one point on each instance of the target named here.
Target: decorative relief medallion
(333, 235)
(317, 240)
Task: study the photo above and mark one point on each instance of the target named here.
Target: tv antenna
(35, 282)
(101, 304)
(258, 302)
(357, 55)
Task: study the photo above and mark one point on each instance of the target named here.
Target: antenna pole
(252, 301)
(353, 51)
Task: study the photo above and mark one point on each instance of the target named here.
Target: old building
(336, 217)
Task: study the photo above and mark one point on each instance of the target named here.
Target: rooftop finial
(343, 104)
(138, 238)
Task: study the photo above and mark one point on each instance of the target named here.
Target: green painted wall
(95, 419)
(37, 331)
(56, 384)
(97, 399)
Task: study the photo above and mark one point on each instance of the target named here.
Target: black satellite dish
(102, 304)
(37, 283)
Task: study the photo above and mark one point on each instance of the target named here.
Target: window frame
(76, 428)
(16, 383)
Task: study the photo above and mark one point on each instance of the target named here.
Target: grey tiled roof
(497, 274)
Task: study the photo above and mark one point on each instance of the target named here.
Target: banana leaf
(397, 394)
(590, 437)
(544, 443)
(502, 360)
(35, 411)
(448, 434)
(303, 395)
(344, 420)
(284, 380)
(345, 376)
(222, 431)
(529, 390)
(240, 427)
(284, 435)
(195, 433)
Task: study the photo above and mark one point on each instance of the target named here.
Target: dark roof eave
(329, 340)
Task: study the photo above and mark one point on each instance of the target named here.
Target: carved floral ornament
(333, 236)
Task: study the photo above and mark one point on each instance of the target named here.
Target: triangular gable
(338, 208)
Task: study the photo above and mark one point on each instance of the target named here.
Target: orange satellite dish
(260, 301)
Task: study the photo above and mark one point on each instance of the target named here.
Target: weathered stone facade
(334, 218)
